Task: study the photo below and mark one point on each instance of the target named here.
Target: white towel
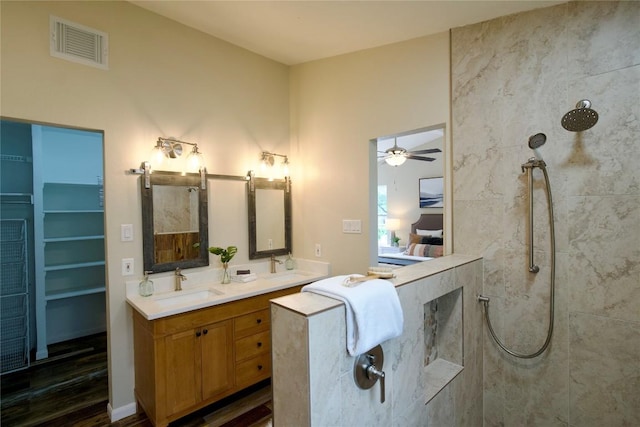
(244, 277)
(373, 310)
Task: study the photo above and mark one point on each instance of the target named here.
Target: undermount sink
(182, 297)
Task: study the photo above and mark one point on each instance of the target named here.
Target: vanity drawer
(251, 323)
(253, 370)
(253, 345)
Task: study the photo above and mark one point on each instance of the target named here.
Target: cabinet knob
(259, 344)
(198, 333)
(258, 320)
(259, 367)
(205, 331)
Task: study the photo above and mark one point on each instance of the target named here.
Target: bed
(425, 242)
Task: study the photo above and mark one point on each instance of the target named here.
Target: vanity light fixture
(267, 163)
(170, 148)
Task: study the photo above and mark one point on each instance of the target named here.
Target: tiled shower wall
(514, 77)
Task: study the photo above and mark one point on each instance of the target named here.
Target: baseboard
(121, 412)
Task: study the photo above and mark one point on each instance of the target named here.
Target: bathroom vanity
(196, 346)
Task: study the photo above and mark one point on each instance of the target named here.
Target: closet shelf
(75, 211)
(72, 238)
(72, 184)
(72, 266)
(16, 198)
(71, 293)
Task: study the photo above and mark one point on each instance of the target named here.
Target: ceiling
(427, 138)
(293, 32)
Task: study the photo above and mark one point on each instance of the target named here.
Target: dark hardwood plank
(70, 389)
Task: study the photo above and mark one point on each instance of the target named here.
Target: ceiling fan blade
(427, 151)
(426, 159)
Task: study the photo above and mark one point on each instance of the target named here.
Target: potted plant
(225, 256)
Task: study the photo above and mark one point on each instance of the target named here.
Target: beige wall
(338, 105)
(163, 80)
(514, 77)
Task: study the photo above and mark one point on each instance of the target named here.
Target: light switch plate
(126, 232)
(352, 226)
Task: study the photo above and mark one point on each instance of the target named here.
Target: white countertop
(202, 288)
(309, 304)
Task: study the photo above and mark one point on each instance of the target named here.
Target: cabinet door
(216, 358)
(181, 370)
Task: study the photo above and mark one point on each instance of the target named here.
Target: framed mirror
(175, 225)
(269, 204)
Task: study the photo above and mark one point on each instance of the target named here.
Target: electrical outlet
(318, 250)
(127, 266)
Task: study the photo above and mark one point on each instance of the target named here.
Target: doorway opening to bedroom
(402, 161)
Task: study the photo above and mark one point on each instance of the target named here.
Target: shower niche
(443, 355)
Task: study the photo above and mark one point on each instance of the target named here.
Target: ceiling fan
(395, 156)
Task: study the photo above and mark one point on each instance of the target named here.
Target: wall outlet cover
(127, 266)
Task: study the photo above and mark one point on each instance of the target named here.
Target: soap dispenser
(146, 286)
(289, 263)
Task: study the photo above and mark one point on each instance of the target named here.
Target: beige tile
(603, 36)
(604, 371)
(604, 263)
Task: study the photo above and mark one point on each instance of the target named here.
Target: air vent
(77, 43)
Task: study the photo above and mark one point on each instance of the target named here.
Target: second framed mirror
(269, 204)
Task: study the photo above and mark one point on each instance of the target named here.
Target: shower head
(537, 140)
(582, 118)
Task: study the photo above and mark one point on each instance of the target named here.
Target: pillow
(429, 240)
(433, 233)
(432, 251)
(415, 249)
(415, 238)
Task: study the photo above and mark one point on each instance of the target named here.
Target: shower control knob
(373, 373)
(368, 370)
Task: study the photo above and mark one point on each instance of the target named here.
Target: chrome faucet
(273, 263)
(179, 278)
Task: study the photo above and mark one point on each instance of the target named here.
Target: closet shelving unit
(14, 296)
(69, 242)
(73, 240)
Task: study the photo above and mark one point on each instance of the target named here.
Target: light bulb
(156, 157)
(195, 160)
(395, 159)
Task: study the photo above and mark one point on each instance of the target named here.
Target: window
(382, 215)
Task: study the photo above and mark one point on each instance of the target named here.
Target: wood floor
(71, 389)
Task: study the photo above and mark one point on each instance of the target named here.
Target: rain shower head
(537, 140)
(582, 118)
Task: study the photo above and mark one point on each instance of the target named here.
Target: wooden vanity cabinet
(187, 361)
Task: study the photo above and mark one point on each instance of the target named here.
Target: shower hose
(533, 268)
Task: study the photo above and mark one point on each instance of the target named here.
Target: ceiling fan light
(395, 159)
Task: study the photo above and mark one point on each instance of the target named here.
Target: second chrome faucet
(273, 263)
(179, 278)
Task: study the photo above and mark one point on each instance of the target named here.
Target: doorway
(52, 182)
(399, 180)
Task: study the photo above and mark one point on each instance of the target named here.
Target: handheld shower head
(582, 118)
(537, 140)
